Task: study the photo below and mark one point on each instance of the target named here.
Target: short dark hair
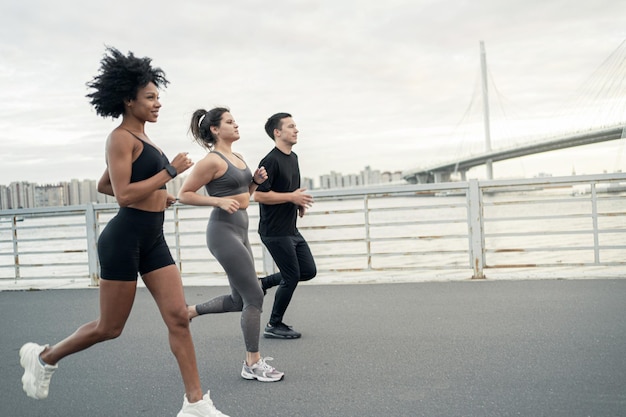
(119, 80)
(275, 122)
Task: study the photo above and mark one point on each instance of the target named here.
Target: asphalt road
(509, 348)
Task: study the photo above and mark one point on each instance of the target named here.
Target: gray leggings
(227, 239)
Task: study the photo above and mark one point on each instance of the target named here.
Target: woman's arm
(203, 173)
(119, 153)
(104, 184)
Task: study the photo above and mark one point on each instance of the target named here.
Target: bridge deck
(430, 174)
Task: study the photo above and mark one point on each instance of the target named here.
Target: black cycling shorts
(132, 242)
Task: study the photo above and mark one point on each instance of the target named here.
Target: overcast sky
(391, 84)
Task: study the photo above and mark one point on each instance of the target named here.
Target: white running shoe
(36, 378)
(261, 371)
(202, 408)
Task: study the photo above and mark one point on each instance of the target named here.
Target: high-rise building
(307, 183)
(73, 194)
(22, 194)
(50, 195)
(88, 192)
(5, 202)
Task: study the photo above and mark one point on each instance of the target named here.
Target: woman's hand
(229, 205)
(170, 200)
(181, 162)
(260, 175)
(104, 184)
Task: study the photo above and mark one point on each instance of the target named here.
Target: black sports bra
(149, 162)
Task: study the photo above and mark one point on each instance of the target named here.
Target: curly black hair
(119, 80)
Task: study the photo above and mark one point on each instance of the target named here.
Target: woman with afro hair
(132, 242)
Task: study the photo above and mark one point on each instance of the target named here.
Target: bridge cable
(600, 98)
(464, 119)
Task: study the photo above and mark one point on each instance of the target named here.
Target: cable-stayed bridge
(442, 172)
(605, 92)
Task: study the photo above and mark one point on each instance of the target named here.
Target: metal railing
(473, 226)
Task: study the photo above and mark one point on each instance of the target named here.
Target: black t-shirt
(283, 175)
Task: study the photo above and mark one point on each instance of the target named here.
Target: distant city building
(21, 195)
(74, 193)
(364, 178)
(88, 191)
(307, 183)
(4, 200)
(50, 195)
(29, 195)
(78, 192)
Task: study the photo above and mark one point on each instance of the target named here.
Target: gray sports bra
(234, 181)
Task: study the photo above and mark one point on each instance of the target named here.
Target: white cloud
(382, 84)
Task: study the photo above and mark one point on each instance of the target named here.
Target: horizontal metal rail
(466, 226)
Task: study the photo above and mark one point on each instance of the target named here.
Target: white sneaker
(261, 371)
(36, 378)
(202, 408)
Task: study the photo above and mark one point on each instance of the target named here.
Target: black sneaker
(280, 331)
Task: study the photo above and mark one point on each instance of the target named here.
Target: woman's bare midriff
(243, 199)
(156, 202)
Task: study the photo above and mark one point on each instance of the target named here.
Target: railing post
(594, 220)
(368, 241)
(269, 267)
(476, 231)
(16, 252)
(91, 222)
(177, 238)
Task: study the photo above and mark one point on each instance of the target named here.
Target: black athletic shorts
(132, 242)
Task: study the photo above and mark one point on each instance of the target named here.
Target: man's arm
(298, 197)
